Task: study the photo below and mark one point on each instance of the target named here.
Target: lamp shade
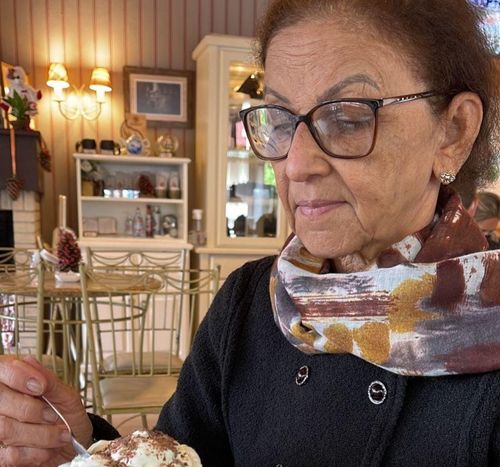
(253, 86)
(100, 80)
(58, 76)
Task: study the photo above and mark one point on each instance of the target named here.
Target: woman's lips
(316, 209)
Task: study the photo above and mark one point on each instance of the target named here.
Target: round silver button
(302, 375)
(377, 392)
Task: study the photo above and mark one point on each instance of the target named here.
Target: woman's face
(337, 206)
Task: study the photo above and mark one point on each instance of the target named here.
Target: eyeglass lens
(344, 129)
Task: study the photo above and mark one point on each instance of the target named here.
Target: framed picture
(164, 97)
(3, 78)
(4, 69)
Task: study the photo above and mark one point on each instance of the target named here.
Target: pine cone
(68, 252)
(14, 186)
(45, 160)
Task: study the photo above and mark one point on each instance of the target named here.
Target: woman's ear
(461, 125)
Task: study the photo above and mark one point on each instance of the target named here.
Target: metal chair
(128, 262)
(10, 257)
(140, 323)
(29, 324)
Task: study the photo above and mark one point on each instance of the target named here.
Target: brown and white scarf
(430, 305)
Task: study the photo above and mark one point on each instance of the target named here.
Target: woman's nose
(305, 157)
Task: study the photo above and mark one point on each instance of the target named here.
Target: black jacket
(238, 400)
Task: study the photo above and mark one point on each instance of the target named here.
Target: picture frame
(3, 77)
(4, 69)
(164, 97)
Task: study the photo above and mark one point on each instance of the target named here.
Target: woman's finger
(15, 433)
(24, 408)
(22, 377)
(68, 402)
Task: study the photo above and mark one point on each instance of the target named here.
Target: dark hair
(443, 40)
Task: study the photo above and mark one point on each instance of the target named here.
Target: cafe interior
(129, 165)
(128, 187)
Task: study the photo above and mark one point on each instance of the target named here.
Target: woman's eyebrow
(333, 92)
(271, 92)
(330, 93)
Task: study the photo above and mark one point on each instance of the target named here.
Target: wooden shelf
(140, 160)
(100, 199)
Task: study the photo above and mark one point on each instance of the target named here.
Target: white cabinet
(236, 190)
(106, 206)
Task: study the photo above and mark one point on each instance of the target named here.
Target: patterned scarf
(430, 305)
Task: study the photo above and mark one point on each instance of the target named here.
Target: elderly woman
(374, 337)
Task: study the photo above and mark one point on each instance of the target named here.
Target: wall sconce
(79, 103)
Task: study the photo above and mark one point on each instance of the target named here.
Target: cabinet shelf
(238, 153)
(100, 199)
(99, 215)
(137, 160)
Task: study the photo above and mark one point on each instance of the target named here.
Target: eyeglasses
(342, 128)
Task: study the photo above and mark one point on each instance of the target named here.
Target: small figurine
(21, 99)
(167, 145)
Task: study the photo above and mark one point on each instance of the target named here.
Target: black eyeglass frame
(374, 105)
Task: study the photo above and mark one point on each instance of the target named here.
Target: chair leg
(144, 419)
(109, 418)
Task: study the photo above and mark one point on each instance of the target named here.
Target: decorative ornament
(134, 145)
(134, 124)
(146, 188)
(21, 100)
(14, 185)
(167, 145)
(446, 178)
(68, 251)
(44, 156)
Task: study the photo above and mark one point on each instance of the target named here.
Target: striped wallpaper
(111, 33)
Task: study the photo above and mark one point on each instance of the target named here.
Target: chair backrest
(35, 321)
(16, 256)
(136, 259)
(140, 320)
(21, 298)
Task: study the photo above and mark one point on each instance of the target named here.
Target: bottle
(149, 226)
(138, 228)
(197, 235)
(174, 186)
(129, 226)
(156, 220)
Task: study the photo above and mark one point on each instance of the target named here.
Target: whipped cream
(139, 449)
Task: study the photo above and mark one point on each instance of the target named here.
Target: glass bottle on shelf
(197, 235)
(174, 186)
(156, 220)
(149, 227)
(138, 229)
(129, 226)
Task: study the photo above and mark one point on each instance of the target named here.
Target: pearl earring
(446, 178)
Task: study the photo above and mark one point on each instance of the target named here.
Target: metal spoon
(76, 445)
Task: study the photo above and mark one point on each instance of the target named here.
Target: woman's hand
(31, 434)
